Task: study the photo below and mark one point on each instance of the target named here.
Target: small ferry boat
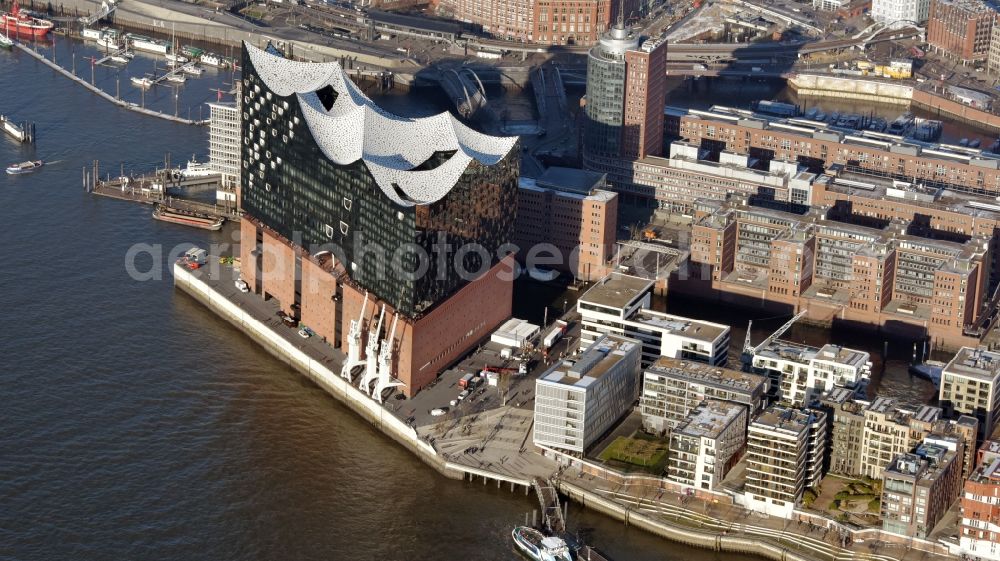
(141, 82)
(24, 167)
(188, 218)
(191, 51)
(192, 69)
(539, 547)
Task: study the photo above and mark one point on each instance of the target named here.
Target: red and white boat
(24, 25)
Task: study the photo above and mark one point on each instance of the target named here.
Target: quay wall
(814, 85)
(214, 29)
(340, 388)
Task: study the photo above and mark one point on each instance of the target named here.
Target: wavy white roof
(355, 128)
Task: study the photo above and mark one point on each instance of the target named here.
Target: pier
(24, 132)
(155, 188)
(104, 94)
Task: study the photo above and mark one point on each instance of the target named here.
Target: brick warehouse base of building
(328, 301)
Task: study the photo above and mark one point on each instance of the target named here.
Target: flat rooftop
(596, 361)
(977, 363)
(785, 418)
(711, 418)
(616, 290)
(571, 179)
(690, 328)
(707, 374)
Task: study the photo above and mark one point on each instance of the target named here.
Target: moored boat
(110, 39)
(192, 69)
(188, 218)
(6, 42)
(539, 547)
(212, 59)
(176, 58)
(143, 43)
(91, 34)
(141, 82)
(177, 78)
(24, 167)
(23, 24)
(122, 58)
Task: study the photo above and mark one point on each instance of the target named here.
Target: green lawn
(642, 452)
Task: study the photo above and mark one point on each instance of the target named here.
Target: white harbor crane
(385, 378)
(354, 334)
(371, 355)
(749, 350)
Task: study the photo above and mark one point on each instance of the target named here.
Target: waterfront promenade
(493, 445)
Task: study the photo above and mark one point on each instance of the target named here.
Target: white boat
(212, 59)
(176, 58)
(142, 43)
(142, 82)
(24, 167)
(192, 69)
(177, 78)
(92, 34)
(196, 169)
(123, 58)
(540, 547)
(6, 42)
(109, 39)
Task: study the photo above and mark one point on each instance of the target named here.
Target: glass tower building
(412, 208)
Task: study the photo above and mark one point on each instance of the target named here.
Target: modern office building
(979, 527)
(961, 29)
(355, 219)
(785, 449)
(919, 487)
(800, 373)
(566, 221)
(706, 446)
(880, 273)
(620, 303)
(224, 146)
(626, 93)
(577, 400)
(970, 384)
(895, 14)
(673, 388)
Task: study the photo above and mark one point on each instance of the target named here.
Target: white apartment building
(705, 447)
(577, 400)
(224, 148)
(672, 389)
(800, 373)
(900, 13)
(890, 431)
(970, 384)
(785, 449)
(619, 304)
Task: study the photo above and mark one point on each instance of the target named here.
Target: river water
(137, 425)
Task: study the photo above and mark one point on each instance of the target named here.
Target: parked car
(464, 394)
(242, 286)
(439, 411)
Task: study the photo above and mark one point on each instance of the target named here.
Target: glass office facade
(392, 250)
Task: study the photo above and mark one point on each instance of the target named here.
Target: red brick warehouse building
(380, 233)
